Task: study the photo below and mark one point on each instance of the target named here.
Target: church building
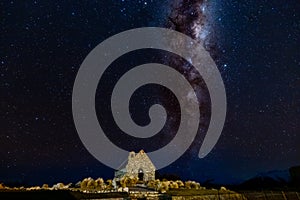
(137, 165)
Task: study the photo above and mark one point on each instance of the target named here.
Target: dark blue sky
(42, 44)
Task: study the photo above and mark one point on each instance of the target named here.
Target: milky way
(190, 18)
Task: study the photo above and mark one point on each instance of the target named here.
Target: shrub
(163, 186)
(173, 185)
(192, 185)
(87, 183)
(180, 184)
(109, 185)
(91, 184)
(100, 185)
(45, 186)
(83, 184)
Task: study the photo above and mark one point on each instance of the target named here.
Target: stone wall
(153, 196)
(211, 197)
(140, 163)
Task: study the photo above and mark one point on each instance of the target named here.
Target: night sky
(255, 44)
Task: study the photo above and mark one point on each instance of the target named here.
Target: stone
(138, 165)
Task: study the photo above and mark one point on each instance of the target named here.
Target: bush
(45, 186)
(59, 186)
(153, 184)
(91, 184)
(87, 183)
(128, 181)
(192, 185)
(83, 184)
(187, 185)
(223, 188)
(180, 184)
(100, 184)
(109, 185)
(163, 187)
(173, 185)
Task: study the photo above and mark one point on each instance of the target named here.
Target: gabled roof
(123, 165)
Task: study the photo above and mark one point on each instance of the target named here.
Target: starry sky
(255, 44)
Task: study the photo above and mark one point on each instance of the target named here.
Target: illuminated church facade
(138, 165)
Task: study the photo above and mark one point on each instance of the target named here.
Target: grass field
(57, 195)
(195, 192)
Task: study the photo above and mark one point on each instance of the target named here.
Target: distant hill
(278, 175)
(267, 180)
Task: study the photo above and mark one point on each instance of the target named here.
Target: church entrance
(141, 175)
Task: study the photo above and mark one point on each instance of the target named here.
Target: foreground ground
(177, 194)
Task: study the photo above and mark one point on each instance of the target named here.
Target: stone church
(137, 165)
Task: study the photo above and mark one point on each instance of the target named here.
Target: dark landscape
(263, 187)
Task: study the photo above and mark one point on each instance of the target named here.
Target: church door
(141, 175)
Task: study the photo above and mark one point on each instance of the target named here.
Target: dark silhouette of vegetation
(170, 177)
(295, 176)
(263, 183)
(272, 183)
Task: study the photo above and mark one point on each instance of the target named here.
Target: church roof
(123, 165)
